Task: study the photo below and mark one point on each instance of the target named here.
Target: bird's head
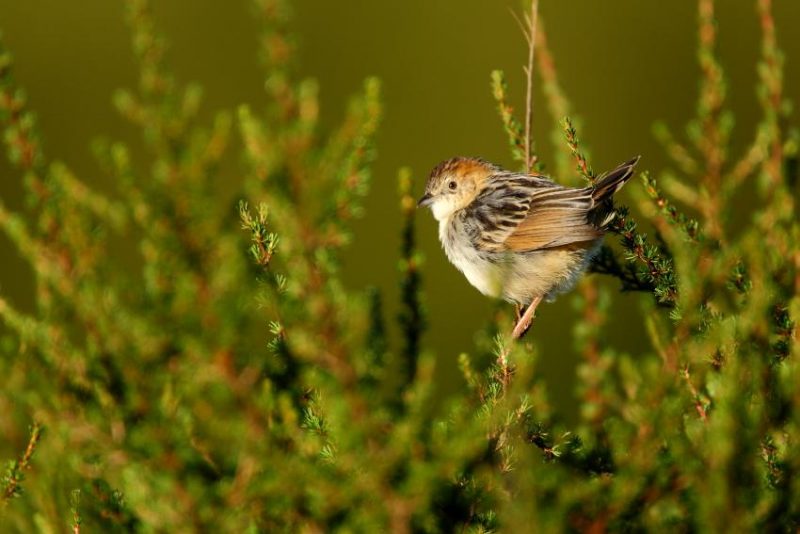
(454, 184)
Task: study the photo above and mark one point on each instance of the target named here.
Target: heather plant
(218, 376)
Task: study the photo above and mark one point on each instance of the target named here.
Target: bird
(518, 236)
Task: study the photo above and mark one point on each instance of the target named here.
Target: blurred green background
(623, 63)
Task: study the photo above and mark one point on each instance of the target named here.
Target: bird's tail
(603, 191)
(611, 182)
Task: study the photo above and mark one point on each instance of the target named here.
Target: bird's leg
(518, 311)
(525, 321)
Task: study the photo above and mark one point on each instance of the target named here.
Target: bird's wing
(518, 213)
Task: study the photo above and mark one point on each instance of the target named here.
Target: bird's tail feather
(603, 212)
(611, 182)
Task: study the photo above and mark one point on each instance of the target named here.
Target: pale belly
(516, 277)
(485, 276)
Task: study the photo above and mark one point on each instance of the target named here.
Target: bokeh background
(623, 63)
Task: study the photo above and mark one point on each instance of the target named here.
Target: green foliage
(220, 377)
(15, 469)
(411, 318)
(574, 146)
(511, 125)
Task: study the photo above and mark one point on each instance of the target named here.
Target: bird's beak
(426, 200)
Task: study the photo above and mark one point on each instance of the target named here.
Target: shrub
(225, 380)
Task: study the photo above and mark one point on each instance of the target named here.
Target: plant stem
(530, 159)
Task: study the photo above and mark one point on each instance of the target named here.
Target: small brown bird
(517, 236)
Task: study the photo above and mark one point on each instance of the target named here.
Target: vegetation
(224, 379)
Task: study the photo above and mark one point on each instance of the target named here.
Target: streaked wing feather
(520, 213)
(547, 227)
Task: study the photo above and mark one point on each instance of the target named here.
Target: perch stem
(530, 159)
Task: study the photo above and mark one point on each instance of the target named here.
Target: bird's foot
(524, 322)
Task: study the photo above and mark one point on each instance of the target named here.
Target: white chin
(441, 210)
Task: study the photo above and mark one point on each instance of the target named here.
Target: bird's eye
(452, 185)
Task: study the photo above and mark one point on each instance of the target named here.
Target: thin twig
(529, 32)
(748, 162)
(16, 472)
(710, 116)
(504, 367)
(580, 159)
(75, 500)
(698, 405)
(530, 159)
(771, 80)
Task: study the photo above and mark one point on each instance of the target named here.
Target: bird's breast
(516, 277)
(486, 276)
